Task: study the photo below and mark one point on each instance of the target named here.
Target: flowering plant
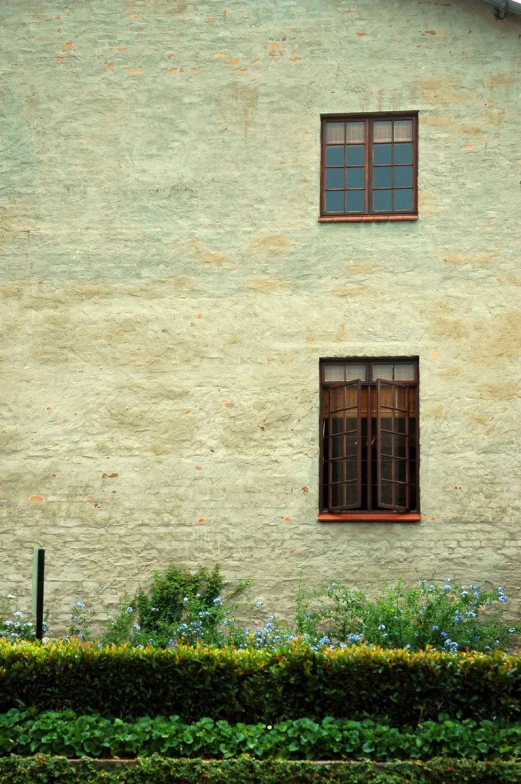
(447, 616)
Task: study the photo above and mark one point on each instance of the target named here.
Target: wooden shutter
(342, 470)
(392, 445)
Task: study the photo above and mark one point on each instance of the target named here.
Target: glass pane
(337, 399)
(401, 495)
(382, 154)
(382, 176)
(400, 444)
(400, 468)
(337, 446)
(382, 201)
(382, 371)
(403, 199)
(402, 153)
(337, 423)
(337, 492)
(334, 373)
(334, 178)
(387, 469)
(352, 444)
(356, 155)
(352, 494)
(404, 372)
(334, 156)
(352, 469)
(351, 397)
(356, 178)
(337, 470)
(387, 443)
(355, 132)
(334, 201)
(403, 177)
(355, 371)
(351, 423)
(383, 131)
(335, 133)
(355, 201)
(387, 493)
(399, 423)
(403, 130)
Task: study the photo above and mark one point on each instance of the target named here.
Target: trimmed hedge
(57, 770)
(72, 736)
(260, 685)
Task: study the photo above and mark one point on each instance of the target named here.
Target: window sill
(368, 517)
(362, 218)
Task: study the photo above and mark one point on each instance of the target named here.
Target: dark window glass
(403, 199)
(355, 201)
(382, 176)
(335, 156)
(334, 178)
(403, 153)
(403, 177)
(355, 154)
(356, 178)
(382, 201)
(335, 201)
(383, 153)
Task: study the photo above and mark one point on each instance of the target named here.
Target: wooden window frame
(382, 512)
(368, 213)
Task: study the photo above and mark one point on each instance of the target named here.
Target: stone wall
(167, 291)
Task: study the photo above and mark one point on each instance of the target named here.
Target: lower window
(369, 435)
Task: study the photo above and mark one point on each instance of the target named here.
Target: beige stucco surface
(167, 292)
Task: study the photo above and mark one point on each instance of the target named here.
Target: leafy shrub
(177, 607)
(448, 617)
(261, 685)
(445, 770)
(71, 735)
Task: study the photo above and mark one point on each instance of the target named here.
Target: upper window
(369, 436)
(369, 167)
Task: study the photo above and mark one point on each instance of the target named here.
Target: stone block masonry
(167, 291)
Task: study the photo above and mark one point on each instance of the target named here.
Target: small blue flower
(431, 588)
(154, 609)
(381, 627)
(258, 605)
(447, 642)
(422, 582)
(130, 609)
(512, 630)
(322, 641)
(447, 588)
(407, 647)
(447, 579)
(470, 614)
(354, 637)
(502, 598)
(217, 600)
(435, 628)
(464, 593)
(18, 614)
(500, 589)
(458, 618)
(137, 627)
(444, 634)
(81, 604)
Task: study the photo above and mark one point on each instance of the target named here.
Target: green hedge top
(260, 685)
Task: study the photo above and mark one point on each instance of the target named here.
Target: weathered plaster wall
(167, 291)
